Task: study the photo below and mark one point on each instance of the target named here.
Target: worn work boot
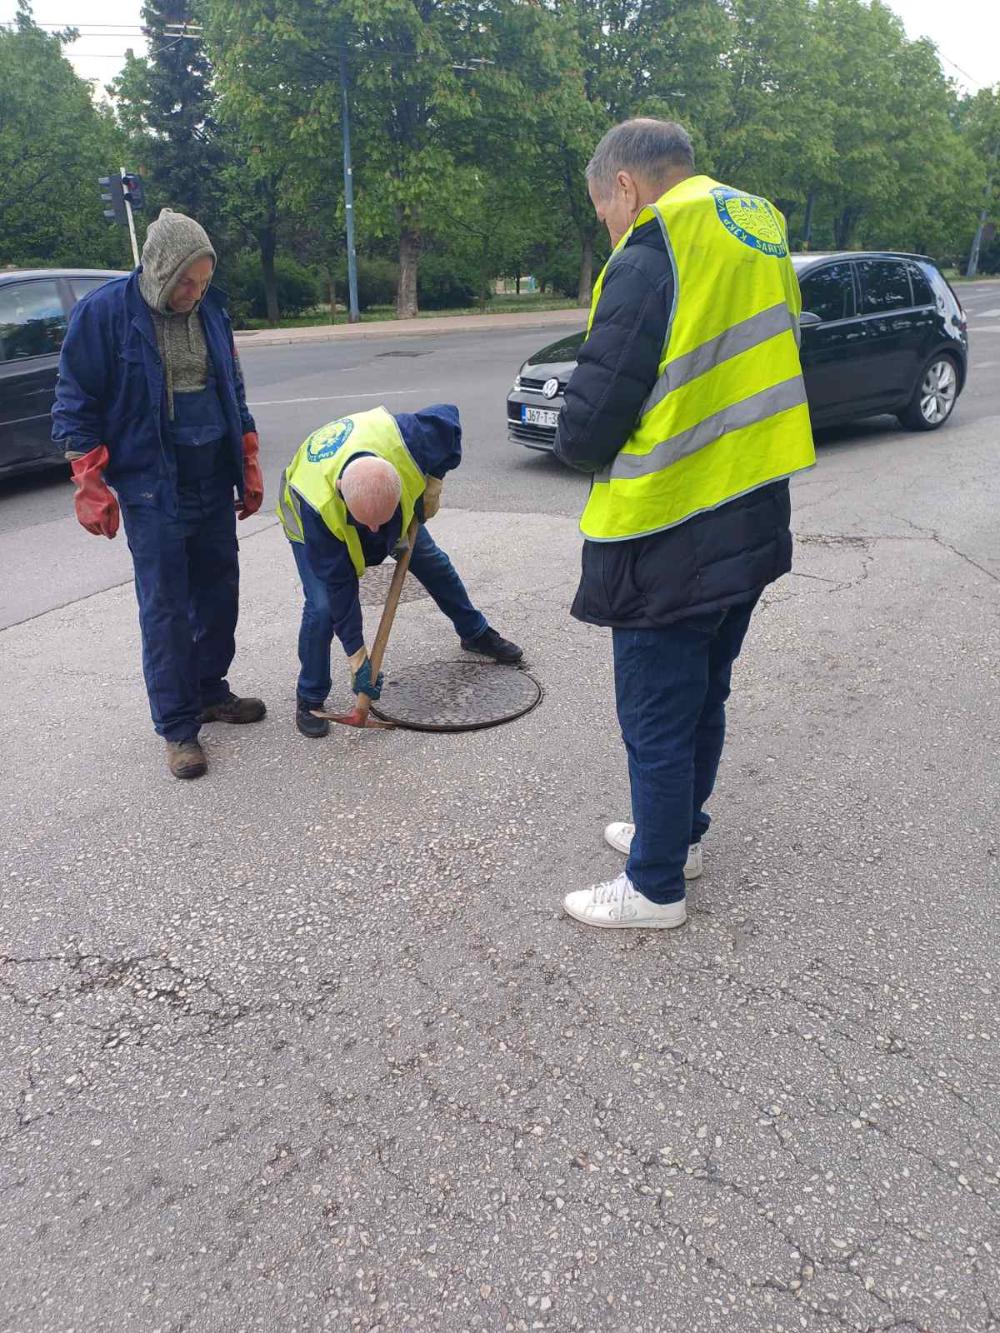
(307, 723)
(619, 836)
(234, 709)
(490, 644)
(619, 905)
(186, 759)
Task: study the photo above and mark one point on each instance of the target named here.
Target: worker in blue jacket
(151, 413)
(346, 500)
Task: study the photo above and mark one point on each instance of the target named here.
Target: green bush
(377, 279)
(445, 285)
(243, 280)
(560, 270)
(989, 257)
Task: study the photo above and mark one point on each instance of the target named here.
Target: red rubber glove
(96, 507)
(253, 478)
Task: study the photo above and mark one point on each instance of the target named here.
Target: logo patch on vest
(751, 221)
(327, 440)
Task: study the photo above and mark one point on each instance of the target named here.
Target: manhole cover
(456, 696)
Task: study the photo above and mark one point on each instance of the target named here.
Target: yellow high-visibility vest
(728, 411)
(313, 473)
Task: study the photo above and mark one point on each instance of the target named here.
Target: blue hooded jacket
(434, 438)
(111, 390)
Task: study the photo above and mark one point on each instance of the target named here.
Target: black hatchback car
(881, 333)
(34, 311)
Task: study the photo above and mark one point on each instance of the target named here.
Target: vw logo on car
(550, 388)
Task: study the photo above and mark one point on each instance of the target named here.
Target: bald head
(371, 489)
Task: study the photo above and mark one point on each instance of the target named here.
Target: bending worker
(150, 401)
(345, 501)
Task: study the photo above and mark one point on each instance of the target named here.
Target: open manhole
(456, 696)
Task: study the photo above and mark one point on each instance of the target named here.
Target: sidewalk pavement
(307, 1044)
(402, 328)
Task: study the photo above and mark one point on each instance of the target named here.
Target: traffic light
(113, 196)
(134, 192)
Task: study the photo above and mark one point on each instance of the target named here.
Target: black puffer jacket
(712, 560)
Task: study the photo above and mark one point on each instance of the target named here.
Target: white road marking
(985, 328)
(988, 314)
(329, 398)
(19, 421)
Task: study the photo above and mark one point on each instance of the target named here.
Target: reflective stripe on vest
(728, 411)
(313, 474)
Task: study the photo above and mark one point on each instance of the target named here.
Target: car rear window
(81, 286)
(922, 294)
(884, 286)
(32, 319)
(829, 293)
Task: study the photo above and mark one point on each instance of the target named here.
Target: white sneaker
(618, 905)
(619, 836)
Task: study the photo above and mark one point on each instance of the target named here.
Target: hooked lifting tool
(359, 716)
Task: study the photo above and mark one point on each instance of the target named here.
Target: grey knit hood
(173, 242)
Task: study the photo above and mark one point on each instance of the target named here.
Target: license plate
(538, 416)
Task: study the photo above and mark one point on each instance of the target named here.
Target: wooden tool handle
(392, 601)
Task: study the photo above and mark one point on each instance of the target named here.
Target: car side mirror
(807, 320)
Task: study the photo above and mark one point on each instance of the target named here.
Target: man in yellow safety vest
(345, 500)
(688, 409)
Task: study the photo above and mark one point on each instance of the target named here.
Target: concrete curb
(402, 328)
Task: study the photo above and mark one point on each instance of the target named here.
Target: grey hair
(370, 483)
(644, 147)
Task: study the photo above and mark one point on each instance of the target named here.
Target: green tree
(277, 111)
(54, 144)
(979, 119)
(604, 61)
(898, 158)
(772, 132)
(166, 103)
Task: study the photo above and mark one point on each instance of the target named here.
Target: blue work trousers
(187, 586)
(429, 565)
(671, 686)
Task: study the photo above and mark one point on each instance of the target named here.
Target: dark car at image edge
(35, 306)
(882, 332)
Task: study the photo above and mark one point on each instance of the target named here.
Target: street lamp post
(352, 259)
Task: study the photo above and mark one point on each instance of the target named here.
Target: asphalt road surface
(308, 1045)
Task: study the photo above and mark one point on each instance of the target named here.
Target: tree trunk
(586, 284)
(268, 242)
(406, 292)
(843, 227)
(517, 282)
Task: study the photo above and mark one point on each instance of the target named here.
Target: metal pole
(352, 259)
(131, 220)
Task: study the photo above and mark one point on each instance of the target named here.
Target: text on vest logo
(751, 221)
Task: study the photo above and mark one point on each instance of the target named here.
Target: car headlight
(517, 384)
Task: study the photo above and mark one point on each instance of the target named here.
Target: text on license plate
(538, 416)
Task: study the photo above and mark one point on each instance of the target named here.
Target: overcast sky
(966, 33)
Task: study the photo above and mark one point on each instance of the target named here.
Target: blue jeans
(671, 686)
(187, 580)
(429, 565)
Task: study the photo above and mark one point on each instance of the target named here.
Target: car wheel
(934, 397)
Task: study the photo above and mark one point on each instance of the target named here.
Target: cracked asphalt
(307, 1044)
